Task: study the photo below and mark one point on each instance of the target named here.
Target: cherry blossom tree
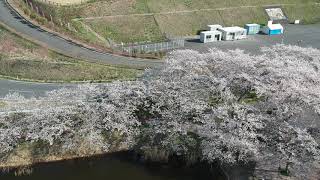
(227, 107)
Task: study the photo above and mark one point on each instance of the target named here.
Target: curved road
(29, 89)
(12, 19)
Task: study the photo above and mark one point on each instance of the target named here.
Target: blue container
(275, 32)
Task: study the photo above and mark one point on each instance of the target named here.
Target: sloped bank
(64, 46)
(120, 21)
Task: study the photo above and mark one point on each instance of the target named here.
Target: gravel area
(301, 35)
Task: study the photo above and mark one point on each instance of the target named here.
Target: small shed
(213, 27)
(233, 33)
(273, 29)
(252, 28)
(210, 36)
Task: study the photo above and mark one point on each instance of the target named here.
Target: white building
(210, 36)
(233, 33)
(213, 27)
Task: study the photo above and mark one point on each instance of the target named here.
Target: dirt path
(88, 28)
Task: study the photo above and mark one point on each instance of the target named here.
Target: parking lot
(301, 35)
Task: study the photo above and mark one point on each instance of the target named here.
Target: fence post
(130, 50)
(122, 46)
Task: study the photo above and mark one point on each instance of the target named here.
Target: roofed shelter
(233, 33)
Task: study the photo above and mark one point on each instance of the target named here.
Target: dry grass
(197, 14)
(182, 5)
(118, 7)
(20, 157)
(20, 59)
(308, 14)
(128, 29)
(237, 16)
(187, 23)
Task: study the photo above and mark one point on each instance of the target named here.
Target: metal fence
(150, 47)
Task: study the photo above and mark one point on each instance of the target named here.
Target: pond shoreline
(128, 158)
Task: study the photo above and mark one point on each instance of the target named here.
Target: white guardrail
(63, 3)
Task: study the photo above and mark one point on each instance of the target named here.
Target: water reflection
(112, 167)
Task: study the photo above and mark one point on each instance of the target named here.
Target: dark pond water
(118, 166)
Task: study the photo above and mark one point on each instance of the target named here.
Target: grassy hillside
(23, 60)
(129, 29)
(150, 20)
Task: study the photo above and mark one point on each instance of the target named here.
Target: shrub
(33, 15)
(26, 11)
(41, 20)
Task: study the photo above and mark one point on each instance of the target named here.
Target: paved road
(13, 20)
(28, 89)
(301, 35)
(309, 34)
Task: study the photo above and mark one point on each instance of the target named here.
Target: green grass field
(23, 60)
(197, 14)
